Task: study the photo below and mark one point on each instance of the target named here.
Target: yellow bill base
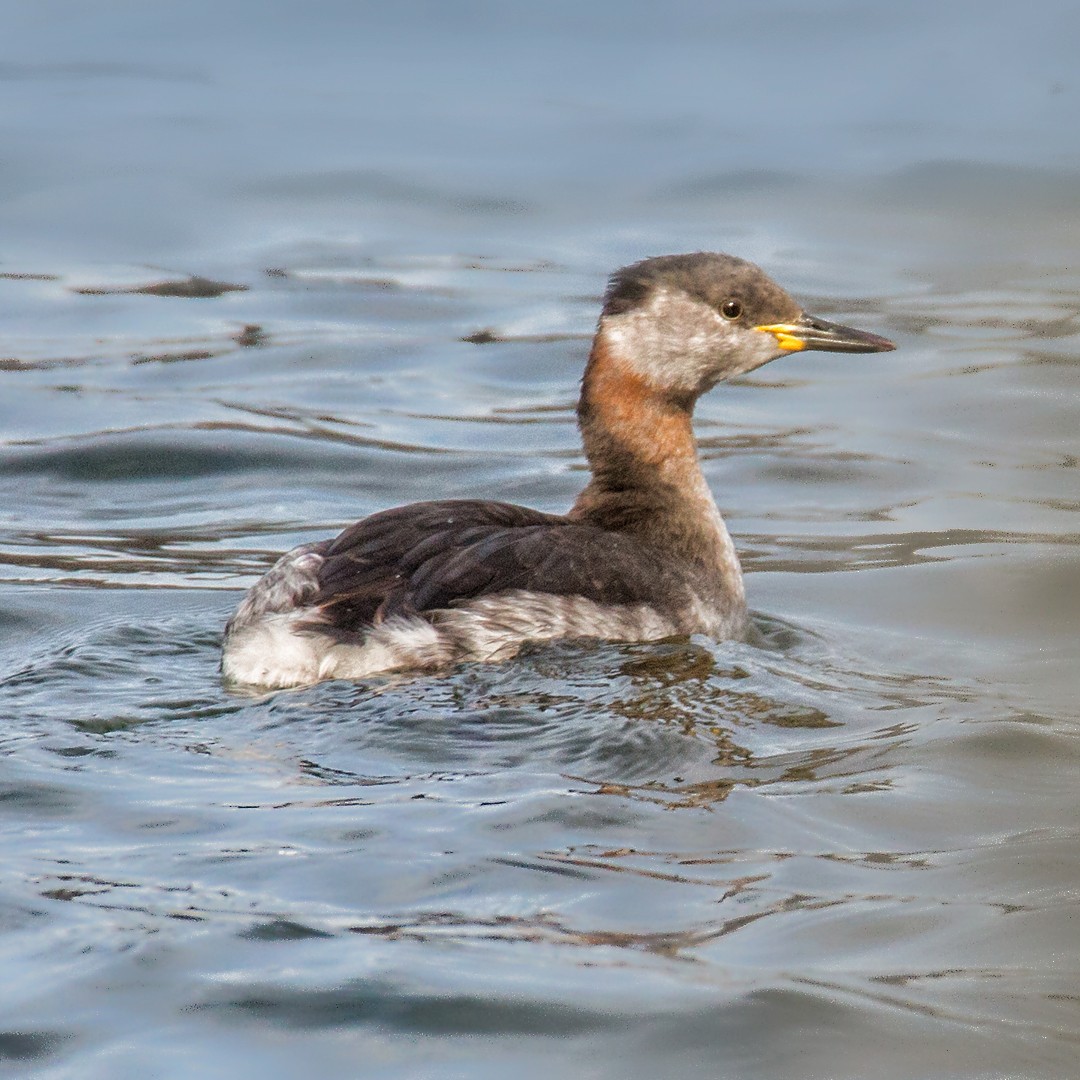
(786, 336)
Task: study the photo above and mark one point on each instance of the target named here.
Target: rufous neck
(635, 433)
(646, 479)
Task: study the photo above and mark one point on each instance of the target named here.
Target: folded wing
(438, 555)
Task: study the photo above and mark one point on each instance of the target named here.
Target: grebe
(643, 554)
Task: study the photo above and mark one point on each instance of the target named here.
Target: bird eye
(731, 309)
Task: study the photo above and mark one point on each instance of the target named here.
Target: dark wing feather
(440, 554)
(369, 566)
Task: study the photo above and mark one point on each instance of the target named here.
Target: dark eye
(731, 309)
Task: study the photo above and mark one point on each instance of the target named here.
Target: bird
(643, 554)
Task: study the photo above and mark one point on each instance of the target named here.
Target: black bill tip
(810, 332)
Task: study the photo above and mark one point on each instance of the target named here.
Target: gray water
(242, 248)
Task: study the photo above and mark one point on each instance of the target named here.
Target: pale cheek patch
(672, 342)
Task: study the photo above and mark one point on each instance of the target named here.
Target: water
(844, 848)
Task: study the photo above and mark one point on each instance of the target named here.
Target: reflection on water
(240, 312)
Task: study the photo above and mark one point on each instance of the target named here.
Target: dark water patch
(416, 1013)
(251, 336)
(15, 363)
(283, 930)
(81, 751)
(36, 799)
(729, 443)
(160, 455)
(14, 275)
(191, 288)
(489, 336)
(766, 631)
(122, 350)
(173, 357)
(431, 1014)
(26, 1046)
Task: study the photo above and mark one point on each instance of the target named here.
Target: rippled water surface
(268, 268)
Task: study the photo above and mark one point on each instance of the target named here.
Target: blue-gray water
(846, 848)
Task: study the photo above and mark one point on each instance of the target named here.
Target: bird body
(643, 553)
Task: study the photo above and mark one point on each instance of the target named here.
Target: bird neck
(647, 479)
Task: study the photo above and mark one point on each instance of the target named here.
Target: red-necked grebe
(642, 554)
